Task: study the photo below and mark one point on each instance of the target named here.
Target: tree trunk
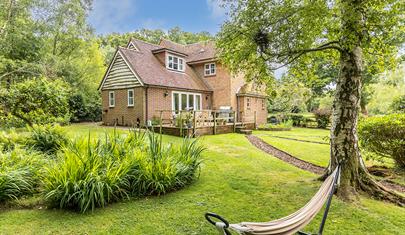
(344, 142)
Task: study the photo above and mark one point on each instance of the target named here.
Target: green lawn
(237, 181)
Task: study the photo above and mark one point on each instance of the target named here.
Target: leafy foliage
(47, 138)
(20, 172)
(92, 173)
(322, 117)
(36, 101)
(384, 136)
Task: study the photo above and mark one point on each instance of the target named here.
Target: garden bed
(274, 129)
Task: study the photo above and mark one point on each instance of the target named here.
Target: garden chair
(290, 224)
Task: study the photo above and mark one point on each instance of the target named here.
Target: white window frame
(187, 105)
(111, 104)
(208, 72)
(133, 98)
(170, 63)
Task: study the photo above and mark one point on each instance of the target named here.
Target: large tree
(262, 35)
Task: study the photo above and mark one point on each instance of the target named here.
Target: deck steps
(243, 130)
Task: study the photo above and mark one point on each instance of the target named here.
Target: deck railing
(193, 119)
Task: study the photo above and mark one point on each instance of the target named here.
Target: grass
(237, 181)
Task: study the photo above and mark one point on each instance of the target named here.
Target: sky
(122, 16)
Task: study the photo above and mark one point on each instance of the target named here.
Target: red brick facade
(158, 84)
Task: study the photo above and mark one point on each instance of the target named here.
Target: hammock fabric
(292, 223)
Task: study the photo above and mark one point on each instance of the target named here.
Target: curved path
(280, 154)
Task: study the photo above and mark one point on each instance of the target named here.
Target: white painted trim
(178, 62)
(108, 70)
(111, 65)
(209, 70)
(187, 105)
(132, 44)
(130, 68)
(133, 97)
(109, 99)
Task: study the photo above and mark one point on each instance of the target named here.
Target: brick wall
(121, 114)
(248, 105)
(220, 83)
(158, 101)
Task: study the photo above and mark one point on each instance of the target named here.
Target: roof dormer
(131, 45)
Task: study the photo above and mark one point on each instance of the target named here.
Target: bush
(322, 117)
(384, 136)
(162, 169)
(47, 138)
(91, 173)
(20, 172)
(398, 105)
(36, 101)
(10, 140)
(283, 125)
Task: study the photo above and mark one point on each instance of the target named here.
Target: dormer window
(175, 63)
(210, 69)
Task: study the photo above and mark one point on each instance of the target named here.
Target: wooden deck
(202, 130)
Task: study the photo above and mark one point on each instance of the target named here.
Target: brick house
(144, 78)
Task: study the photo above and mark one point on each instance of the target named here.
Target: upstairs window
(210, 69)
(175, 63)
(130, 98)
(111, 99)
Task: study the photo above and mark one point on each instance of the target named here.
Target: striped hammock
(292, 223)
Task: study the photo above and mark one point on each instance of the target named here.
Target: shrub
(91, 173)
(20, 172)
(36, 101)
(398, 105)
(47, 138)
(322, 117)
(88, 174)
(166, 168)
(9, 140)
(384, 136)
(285, 125)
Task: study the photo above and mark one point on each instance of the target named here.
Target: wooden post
(234, 121)
(255, 120)
(181, 124)
(194, 123)
(215, 123)
(161, 113)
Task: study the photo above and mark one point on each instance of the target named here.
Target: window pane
(197, 102)
(207, 66)
(176, 101)
(175, 66)
(175, 60)
(183, 101)
(190, 101)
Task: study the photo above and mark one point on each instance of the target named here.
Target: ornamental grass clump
(90, 173)
(46, 138)
(164, 168)
(20, 172)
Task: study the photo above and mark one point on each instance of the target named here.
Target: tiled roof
(196, 51)
(152, 72)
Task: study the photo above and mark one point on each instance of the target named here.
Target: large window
(175, 63)
(111, 99)
(131, 97)
(210, 69)
(186, 101)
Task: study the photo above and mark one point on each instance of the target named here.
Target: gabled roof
(200, 51)
(152, 72)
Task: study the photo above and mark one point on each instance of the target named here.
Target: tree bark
(344, 142)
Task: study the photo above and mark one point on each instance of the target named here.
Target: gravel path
(280, 154)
